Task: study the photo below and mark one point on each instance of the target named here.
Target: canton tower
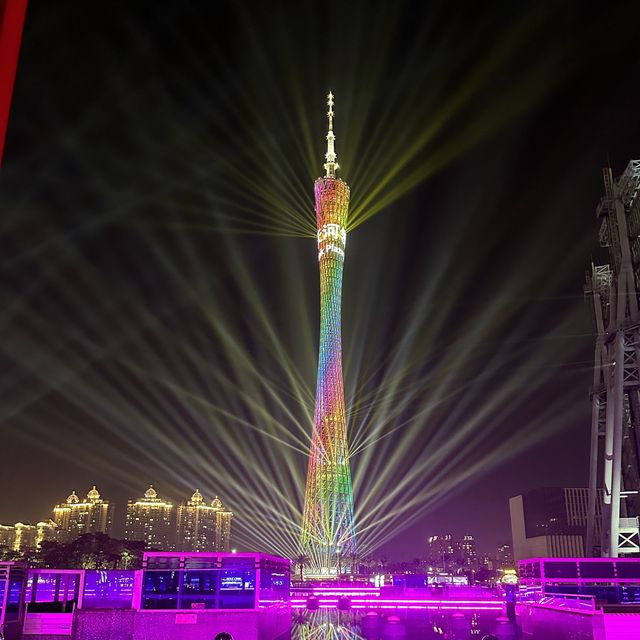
(328, 531)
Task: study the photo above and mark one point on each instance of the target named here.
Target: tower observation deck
(328, 531)
(615, 396)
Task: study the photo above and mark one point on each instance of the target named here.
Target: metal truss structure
(615, 396)
(328, 530)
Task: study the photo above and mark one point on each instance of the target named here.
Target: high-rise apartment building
(443, 552)
(550, 522)
(45, 530)
(504, 557)
(22, 537)
(469, 552)
(26, 537)
(487, 562)
(150, 519)
(7, 536)
(202, 526)
(196, 525)
(451, 554)
(223, 526)
(75, 517)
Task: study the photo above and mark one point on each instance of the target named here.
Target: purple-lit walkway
(376, 598)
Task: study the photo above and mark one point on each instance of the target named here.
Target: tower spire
(330, 165)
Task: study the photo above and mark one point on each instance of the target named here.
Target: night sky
(159, 289)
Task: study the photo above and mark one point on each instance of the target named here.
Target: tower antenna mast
(330, 166)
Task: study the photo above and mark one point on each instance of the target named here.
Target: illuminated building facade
(486, 562)
(20, 537)
(45, 530)
(223, 526)
(26, 537)
(551, 522)
(76, 517)
(328, 529)
(150, 519)
(452, 554)
(7, 536)
(469, 552)
(202, 526)
(443, 552)
(504, 557)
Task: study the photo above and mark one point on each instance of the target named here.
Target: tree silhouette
(8, 554)
(92, 551)
(301, 562)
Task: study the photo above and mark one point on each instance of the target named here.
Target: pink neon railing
(392, 604)
(361, 602)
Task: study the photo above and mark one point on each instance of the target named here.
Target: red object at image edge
(12, 14)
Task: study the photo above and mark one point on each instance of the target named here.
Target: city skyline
(118, 523)
(95, 514)
(161, 303)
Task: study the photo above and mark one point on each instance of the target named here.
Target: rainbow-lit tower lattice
(328, 531)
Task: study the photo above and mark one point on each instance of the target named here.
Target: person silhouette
(224, 636)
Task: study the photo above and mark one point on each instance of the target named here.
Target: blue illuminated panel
(108, 590)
